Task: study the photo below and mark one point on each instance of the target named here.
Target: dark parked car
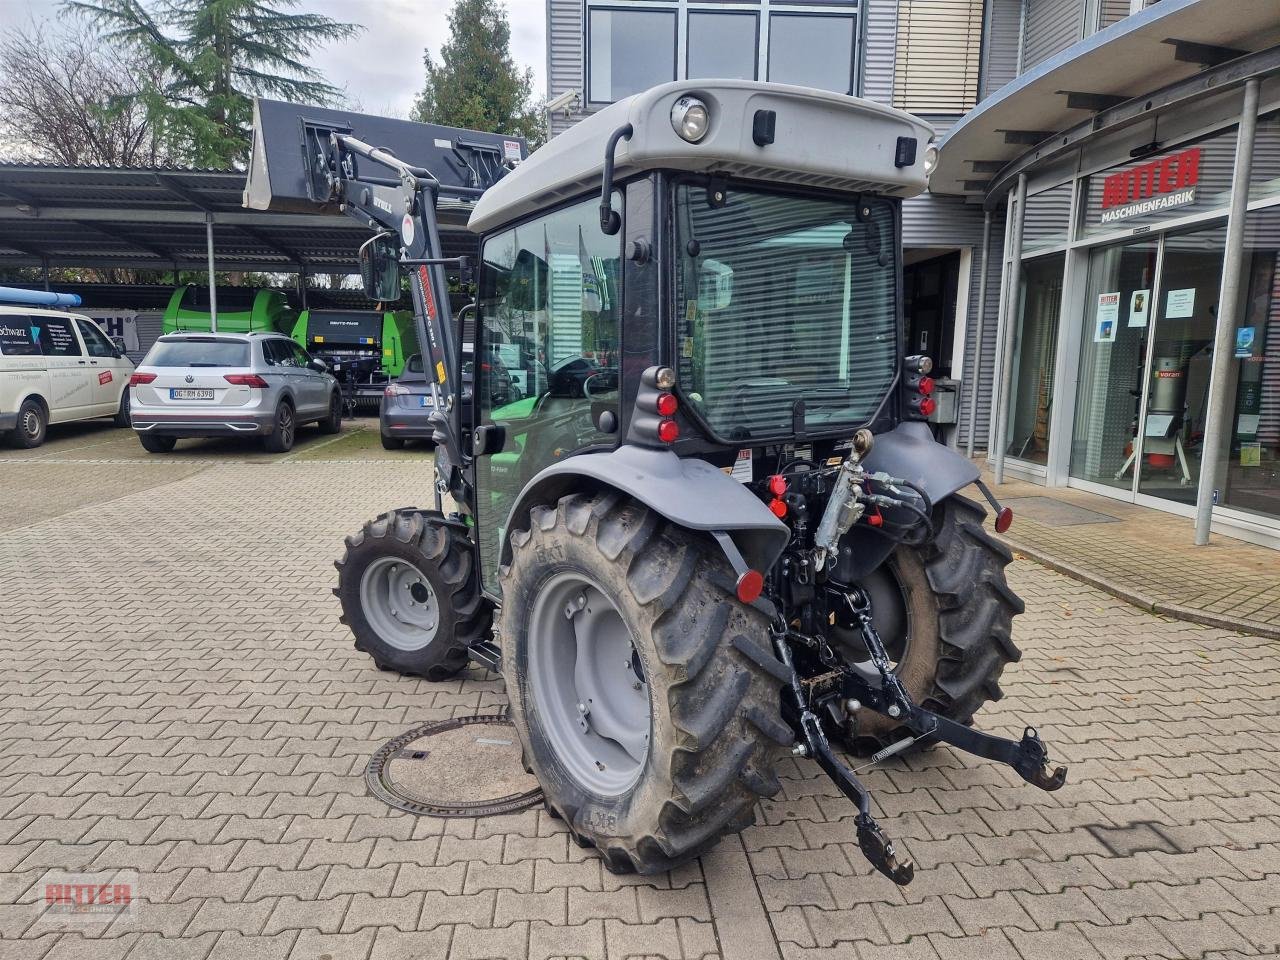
(407, 402)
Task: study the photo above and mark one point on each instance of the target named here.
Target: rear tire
(428, 564)
(701, 657)
(332, 423)
(280, 439)
(33, 425)
(392, 443)
(122, 415)
(959, 614)
(153, 443)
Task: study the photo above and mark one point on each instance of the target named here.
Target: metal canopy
(1144, 52)
(156, 219)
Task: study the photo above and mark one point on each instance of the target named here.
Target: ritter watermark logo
(108, 896)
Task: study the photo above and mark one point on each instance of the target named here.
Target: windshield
(783, 298)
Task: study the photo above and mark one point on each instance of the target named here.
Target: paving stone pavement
(177, 698)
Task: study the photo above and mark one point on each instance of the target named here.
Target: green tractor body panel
(239, 311)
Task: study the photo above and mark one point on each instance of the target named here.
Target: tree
(63, 99)
(213, 57)
(476, 84)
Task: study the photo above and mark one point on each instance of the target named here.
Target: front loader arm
(404, 207)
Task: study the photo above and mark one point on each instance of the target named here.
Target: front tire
(608, 606)
(33, 425)
(949, 615)
(410, 594)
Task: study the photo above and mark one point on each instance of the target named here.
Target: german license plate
(183, 393)
(426, 401)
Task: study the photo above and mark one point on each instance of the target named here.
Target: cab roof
(821, 140)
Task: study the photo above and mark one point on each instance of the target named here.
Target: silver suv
(229, 384)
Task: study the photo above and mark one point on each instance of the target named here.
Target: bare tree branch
(67, 96)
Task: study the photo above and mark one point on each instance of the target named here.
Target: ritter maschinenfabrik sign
(1151, 187)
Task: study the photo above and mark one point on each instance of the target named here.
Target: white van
(56, 367)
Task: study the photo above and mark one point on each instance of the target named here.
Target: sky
(381, 69)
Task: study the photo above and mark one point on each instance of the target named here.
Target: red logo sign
(104, 377)
(1175, 174)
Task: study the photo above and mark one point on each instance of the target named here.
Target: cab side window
(57, 337)
(546, 355)
(97, 344)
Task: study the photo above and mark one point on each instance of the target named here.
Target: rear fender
(690, 493)
(908, 452)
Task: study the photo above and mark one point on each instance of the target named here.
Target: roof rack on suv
(38, 298)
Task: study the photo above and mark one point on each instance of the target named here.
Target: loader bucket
(284, 178)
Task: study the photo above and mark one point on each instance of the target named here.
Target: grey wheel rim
(286, 425)
(31, 424)
(399, 604)
(587, 685)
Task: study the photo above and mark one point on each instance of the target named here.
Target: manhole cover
(464, 767)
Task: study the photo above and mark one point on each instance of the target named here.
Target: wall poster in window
(1139, 306)
(1181, 304)
(1108, 314)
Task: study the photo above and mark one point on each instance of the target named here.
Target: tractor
(716, 529)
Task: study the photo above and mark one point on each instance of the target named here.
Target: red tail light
(140, 378)
(667, 405)
(925, 386)
(927, 406)
(777, 484)
(1004, 519)
(245, 380)
(668, 431)
(395, 390)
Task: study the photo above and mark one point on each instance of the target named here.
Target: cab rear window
(16, 338)
(198, 352)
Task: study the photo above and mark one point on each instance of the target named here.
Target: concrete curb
(1151, 605)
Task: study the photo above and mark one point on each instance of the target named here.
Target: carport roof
(154, 218)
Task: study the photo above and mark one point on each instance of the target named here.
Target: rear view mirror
(119, 344)
(380, 268)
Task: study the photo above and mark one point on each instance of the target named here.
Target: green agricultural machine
(717, 530)
(364, 349)
(240, 310)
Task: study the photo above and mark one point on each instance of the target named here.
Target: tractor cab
(745, 236)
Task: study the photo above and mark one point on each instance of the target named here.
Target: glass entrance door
(1113, 352)
(1177, 387)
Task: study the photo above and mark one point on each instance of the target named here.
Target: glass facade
(1031, 393)
(1140, 322)
(1249, 458)
(1113, 339)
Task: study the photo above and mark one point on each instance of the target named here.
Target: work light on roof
(930, 158)
(690, 118)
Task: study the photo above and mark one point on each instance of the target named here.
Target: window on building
(629, 51)
(722, 45)
(939, 54)
(813, 50)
